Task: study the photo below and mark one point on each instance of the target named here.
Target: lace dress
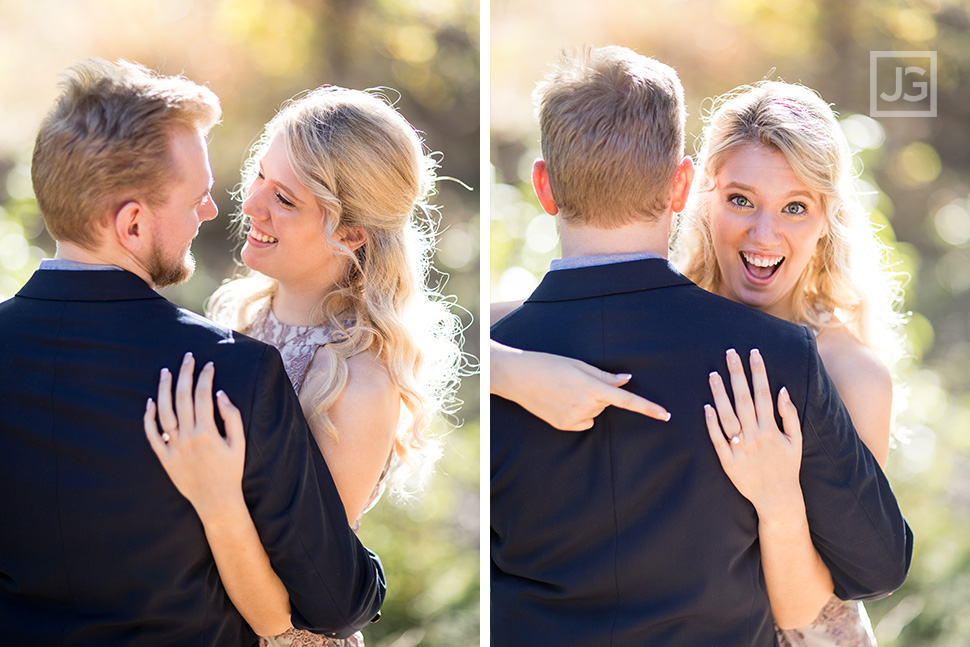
(297, 345)
(840, 624)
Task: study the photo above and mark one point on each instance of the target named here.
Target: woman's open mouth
(255, 235)
(761, 267)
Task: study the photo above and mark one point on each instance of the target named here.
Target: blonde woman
(773, 224)
(338, 257)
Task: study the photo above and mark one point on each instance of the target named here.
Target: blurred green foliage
(913, 173)
(256, 54)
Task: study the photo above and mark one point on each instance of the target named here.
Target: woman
(338, 261)
(773, 224)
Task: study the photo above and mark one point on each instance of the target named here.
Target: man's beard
(166, 272)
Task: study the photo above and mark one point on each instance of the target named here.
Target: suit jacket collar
(83, 285)
(603, 280)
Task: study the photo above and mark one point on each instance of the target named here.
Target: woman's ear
(130, 226)
(352, 237)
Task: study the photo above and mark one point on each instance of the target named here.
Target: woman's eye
(284, 201)
(739, 201)
(795, 208)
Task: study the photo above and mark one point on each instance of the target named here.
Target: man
(631, 534)
(97, 547)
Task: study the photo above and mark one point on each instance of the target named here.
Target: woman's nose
(252, 204)
(764, 229)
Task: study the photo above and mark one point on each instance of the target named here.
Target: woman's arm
(498, 310)
(207, 469)
(763, 463)
(864, 385)
(366, 416)
(566, 393)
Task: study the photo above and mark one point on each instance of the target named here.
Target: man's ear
(683, 178)
(130, 226)
(352, 237)
(540, 182)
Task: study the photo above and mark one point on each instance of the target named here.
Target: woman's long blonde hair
(848, 274)
(368, 168)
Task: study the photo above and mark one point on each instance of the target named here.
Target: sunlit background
(915, 172)
(255, 54)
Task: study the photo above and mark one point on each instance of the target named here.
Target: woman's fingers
(233, 420)
(617, 397)
(184, 408)
(151, 429)
(743, 405)
(764, 410)
(203, 394)
(166, 414)
(789, 417)
(721, 445)
(725, 410)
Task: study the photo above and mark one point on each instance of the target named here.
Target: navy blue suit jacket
(631, 533)
(97, 547)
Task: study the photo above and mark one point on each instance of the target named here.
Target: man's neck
(102, 256)
(635, 238)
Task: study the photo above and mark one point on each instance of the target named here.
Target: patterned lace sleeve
(299, 638)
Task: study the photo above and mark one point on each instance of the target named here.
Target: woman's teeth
(263, 238)
(761, 266)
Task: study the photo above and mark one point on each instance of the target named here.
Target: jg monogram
(913, 84)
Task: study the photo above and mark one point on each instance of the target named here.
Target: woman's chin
(250, 258)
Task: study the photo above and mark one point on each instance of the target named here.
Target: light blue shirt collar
(591, 261)
(59, 264)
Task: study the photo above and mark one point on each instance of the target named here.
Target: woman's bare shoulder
(849, 360)
(864, 383)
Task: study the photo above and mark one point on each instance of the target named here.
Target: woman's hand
(205, 467)
(763, 464)
(761, 461)
(566, 393)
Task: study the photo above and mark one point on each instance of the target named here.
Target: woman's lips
(261, 238)
(760, 267)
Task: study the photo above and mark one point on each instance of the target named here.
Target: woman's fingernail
(624, 376)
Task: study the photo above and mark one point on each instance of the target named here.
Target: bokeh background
(255, 54)
(915, 172)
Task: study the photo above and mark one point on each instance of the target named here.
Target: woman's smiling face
(765, 223)
(287, 239)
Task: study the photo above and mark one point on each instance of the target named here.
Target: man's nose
(209, 210)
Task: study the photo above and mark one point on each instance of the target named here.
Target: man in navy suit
(630, 534)
(97, 547)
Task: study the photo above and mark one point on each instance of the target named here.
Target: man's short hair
(106, 142)
(612, 127)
